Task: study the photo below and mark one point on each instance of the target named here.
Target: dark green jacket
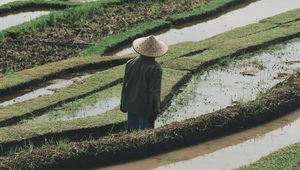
(142, 87)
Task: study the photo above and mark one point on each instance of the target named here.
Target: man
(142, 84)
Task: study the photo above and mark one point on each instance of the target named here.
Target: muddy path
(203, 29)
(227, 152)
(63, 40)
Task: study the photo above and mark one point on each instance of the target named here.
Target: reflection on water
(240, 81)
(252, 13)
(16, 19)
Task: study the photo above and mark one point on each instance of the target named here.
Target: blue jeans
(137, 122)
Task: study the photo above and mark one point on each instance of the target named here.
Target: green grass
(285, 159)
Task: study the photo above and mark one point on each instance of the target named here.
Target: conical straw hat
(150, 46)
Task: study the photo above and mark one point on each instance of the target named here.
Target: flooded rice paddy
(228, 21)
(19, 18)
(240, 81)
(201, 30)
(231, 151)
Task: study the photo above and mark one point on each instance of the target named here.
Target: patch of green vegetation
(284, 159)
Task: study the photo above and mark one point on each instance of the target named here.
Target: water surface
(19, 18)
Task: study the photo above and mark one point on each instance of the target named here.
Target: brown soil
(281, 99)
(64, 40)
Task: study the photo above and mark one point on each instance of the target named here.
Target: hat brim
(162, 48)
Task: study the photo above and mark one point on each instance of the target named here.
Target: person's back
(142, 87)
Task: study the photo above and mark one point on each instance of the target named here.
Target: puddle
(91, 110)
(227, 152)
(17, 19)
(252, 13)
(96, 104)
(2, 2)
(49, 89)
(240, 81)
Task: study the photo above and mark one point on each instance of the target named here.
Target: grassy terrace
(286, 158)
(30, 4)
(287, 28)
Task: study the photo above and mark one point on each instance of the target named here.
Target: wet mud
(239, 82)
(226, 152)
(200, 30)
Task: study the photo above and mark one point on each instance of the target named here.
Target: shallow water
(2, 2)
(252, 13)
(17, 19)
(240, 81)
(52, 86)
(231, 151)
(98, 108)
